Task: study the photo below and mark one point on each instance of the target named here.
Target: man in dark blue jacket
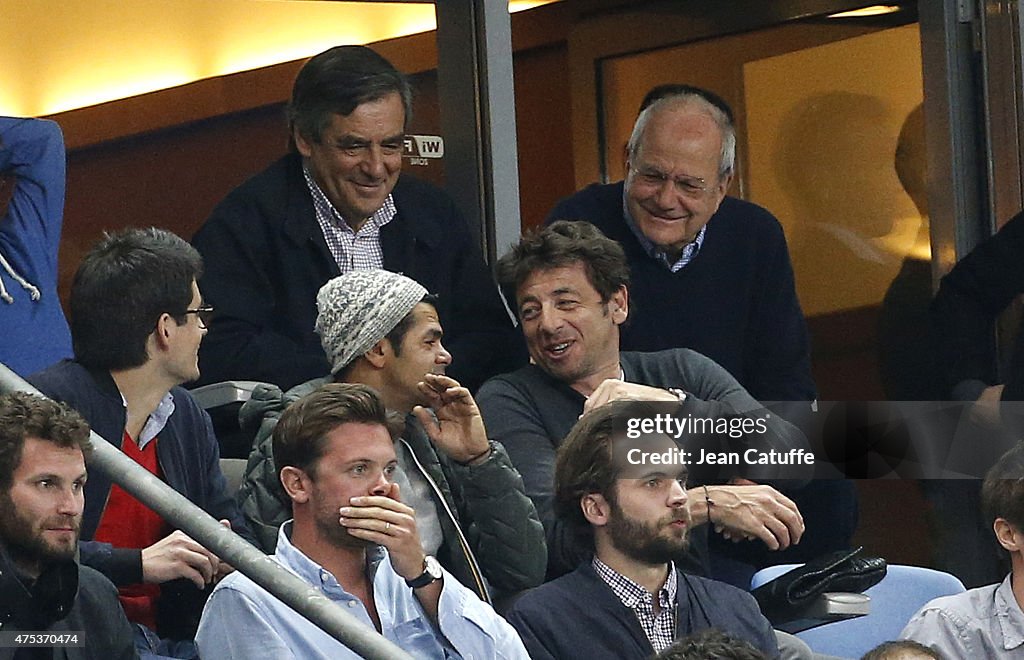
(338, 203)
(138, 320)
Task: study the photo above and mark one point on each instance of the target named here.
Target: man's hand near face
(387, 521)
(742, 510)
(459, 429)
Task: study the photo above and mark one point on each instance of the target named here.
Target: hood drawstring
(33, 291)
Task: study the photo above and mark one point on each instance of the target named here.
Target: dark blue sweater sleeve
(969, 299)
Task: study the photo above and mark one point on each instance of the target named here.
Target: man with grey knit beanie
(357, 310)
(381, 329)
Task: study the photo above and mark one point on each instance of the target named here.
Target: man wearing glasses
(711, 273)
(708, 271)
(138, 320)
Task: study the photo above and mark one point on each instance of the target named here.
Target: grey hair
(694, 101)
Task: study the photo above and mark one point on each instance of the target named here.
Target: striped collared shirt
(660, 628)
(352, 250)
(689, 250)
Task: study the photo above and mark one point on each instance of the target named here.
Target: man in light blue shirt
(354, 539)
(987, 622)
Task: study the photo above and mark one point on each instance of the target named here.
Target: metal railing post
(179, 512)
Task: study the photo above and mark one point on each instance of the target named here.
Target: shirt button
(351, 603)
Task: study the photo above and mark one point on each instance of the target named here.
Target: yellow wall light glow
(522, 5)
(89, 53)
(95, 51)
(280, 33)
(873, 10)
(85, 94)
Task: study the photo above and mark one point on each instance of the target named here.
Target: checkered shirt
(661, 628)
(352, 250)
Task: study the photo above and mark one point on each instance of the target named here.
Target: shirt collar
(1011, 618)
(630, 593)
(157, 419)
(297, 562)
(325, 209)
(689, 251)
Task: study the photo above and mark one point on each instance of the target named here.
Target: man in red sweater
(138, 320)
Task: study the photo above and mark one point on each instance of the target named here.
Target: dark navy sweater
(579, 616)
(735, 302)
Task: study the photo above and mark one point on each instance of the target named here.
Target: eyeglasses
(204, 314)
(688, 186)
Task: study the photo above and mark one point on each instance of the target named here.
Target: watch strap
(427, 576)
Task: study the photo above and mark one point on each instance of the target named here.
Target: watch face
(432, 568)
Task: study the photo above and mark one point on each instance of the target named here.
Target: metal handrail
(179, 512)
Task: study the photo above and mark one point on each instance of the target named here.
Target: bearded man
(44, 593)
(630, 600)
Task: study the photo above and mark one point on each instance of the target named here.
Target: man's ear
(379, 353)
(618, 305)
(296, 484)
(302, 145)
(165, 328)
(722, 188)
(595, 509)
(1008, 535)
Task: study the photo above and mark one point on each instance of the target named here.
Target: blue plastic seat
(893, 601)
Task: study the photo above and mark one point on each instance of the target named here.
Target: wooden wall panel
(170, 179)
(544, 135)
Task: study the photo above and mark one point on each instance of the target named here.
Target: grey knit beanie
(358, 309)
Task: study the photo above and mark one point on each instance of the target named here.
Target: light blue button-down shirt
(985, 622)
(156, 421)
(242, 620)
